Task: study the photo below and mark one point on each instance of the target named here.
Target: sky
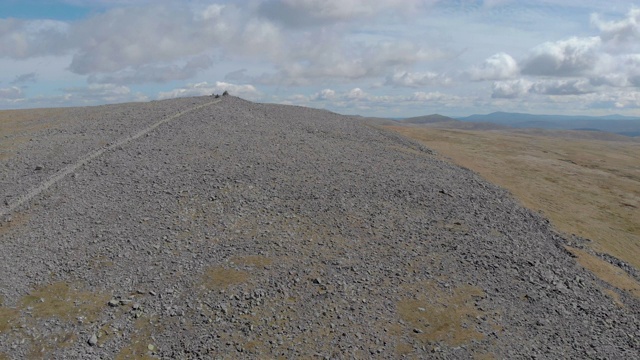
(389, 58)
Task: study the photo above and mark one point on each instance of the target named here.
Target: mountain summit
(194, 228)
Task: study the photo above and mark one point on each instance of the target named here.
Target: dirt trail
(84, 160)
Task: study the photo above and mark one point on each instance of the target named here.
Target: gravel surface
(243, 230)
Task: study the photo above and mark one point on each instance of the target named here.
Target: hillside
(586, 183)
(194, 228)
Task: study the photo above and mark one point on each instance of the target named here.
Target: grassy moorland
(17, 126)
(585, 186)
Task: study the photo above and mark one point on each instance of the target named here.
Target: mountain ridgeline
(617, 124)
(623, 125)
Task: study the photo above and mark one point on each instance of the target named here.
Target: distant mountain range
(437, 120)
(428, 119)
(618, 124)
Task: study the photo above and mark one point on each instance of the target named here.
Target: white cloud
(500, 66)
(101, 93)
(626, 99)
(562, 87)
(510, 89)
(621, 31)
(434, 96)
(613, 80)
(323, 95)
(557, 87)
(204, 88)
(21, 39)
(356, 94)
(125, 37)
(326, 57)
(11, 94)
(574, 56)
(344, 53)
(616, 70)
(301, 13)
(212, 12)
(151, 73)
(417, 79)
(259, 37)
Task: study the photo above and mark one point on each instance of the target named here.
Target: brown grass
(43, 347)
(613, 275)
(614, 296)
(443, 315)
(17, 125)
(7, 317)
(64, 302)
(220, 277)
(138, 347)
(58, 300)
(586, 187)
(19, 222)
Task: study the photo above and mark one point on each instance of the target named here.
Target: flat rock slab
(261, 231)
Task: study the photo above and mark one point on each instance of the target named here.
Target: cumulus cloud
(204, 88)
(571, 57)
(510, 89)
(356, 94)
(134, 37)
(151, 73)
(326, 57)
(137, 42)
(613, 80)
(320, 44)
(434, 96)
(562, 87)
(500, 66)
(323, 95)
(99, 93)
(299, 13)
(626, 99)
(363, 102)
(621, 31)
(416, 79)
(12, 93)
(616, 70)
(21, 39)
(126, 37)
(518, 88)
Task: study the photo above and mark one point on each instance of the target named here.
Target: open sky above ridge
(386, 58)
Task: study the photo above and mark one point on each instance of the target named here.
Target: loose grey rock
(271, 225)
(93, 340)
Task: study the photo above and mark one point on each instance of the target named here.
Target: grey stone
(93, 340)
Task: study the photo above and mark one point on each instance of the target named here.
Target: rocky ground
(243, 230)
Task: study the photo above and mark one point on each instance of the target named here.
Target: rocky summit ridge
(202, 228)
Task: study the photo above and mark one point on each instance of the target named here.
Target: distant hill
(445, 122)
(429, 119)
(618, 124)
